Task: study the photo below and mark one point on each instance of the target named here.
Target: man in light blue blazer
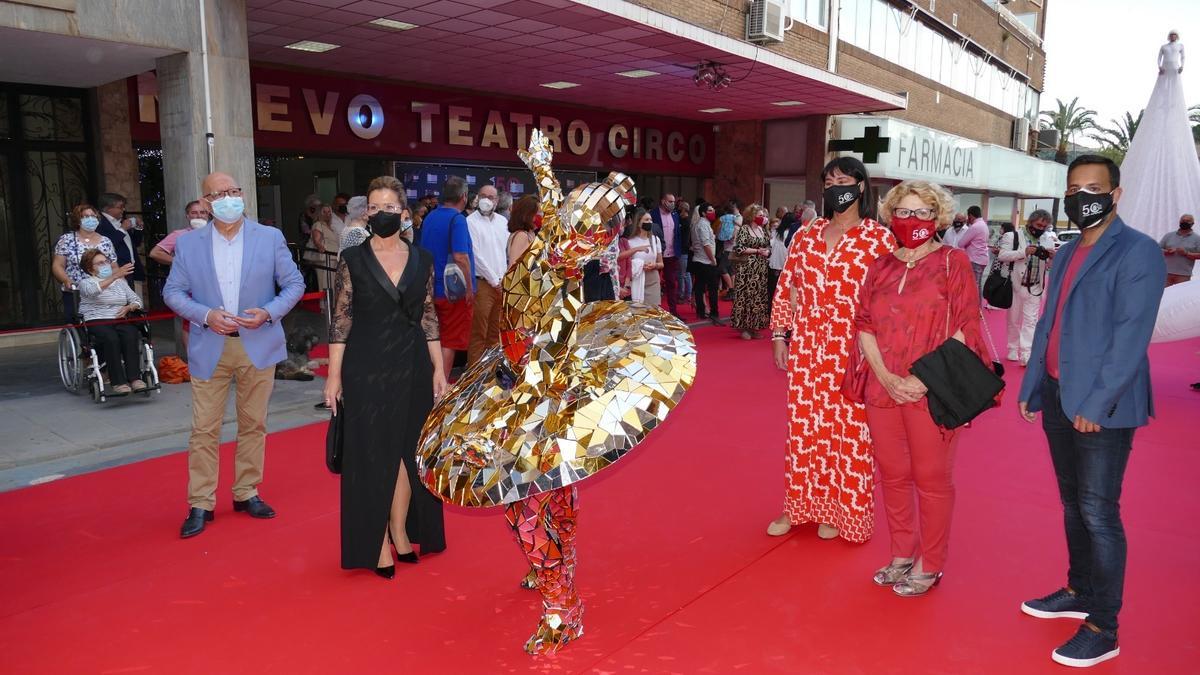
(224, 280)
(1089, 376)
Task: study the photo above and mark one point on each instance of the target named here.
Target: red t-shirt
(1068, 280)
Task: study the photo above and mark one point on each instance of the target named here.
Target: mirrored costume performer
(571, 388)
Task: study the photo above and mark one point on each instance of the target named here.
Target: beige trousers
(254, 387)
(485, 322)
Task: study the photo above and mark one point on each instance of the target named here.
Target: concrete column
(118, 161)
(739, 163)
(818, 157)
(182, 110)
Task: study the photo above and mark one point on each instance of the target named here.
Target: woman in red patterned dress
(830, 471)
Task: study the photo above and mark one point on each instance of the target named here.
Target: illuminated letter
(697, 149)
(323, 120)
(552, 129)
(365, 124)
(523, 122)
(579, 137)
(618, 148)
(268, 108)
(458, 129)
(675, 146)
(493, 132)
(427, 111)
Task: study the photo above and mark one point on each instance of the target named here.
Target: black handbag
(334, 440)
(961, 386)
(998, 288)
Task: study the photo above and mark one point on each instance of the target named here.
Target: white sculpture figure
(1161, 173)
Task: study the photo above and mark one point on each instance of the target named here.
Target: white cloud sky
(1105, 52)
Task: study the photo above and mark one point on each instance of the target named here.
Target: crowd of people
(854, 298)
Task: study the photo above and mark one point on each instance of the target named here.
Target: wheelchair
(80, 366)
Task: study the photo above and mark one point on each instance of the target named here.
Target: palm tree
(1119, 136)
(1068, 120)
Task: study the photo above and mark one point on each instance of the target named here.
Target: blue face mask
(104, 271)
(228, 209)
(89, 223)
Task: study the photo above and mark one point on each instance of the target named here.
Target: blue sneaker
(1089, 647)
(1061, 604)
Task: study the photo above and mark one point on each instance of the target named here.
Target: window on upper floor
(812, 12)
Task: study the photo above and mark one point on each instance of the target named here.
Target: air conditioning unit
(1020, 137)
(766, 20)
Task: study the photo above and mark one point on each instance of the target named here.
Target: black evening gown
(387, 391)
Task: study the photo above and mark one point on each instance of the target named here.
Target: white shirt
(338, 225)
(489, 240)
(227, 261)
(128, 241)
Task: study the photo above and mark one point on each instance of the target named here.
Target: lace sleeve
(343, 300)
(429, 320)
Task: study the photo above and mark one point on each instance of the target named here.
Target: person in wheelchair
(106, 296)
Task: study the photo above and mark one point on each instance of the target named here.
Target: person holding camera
(1029, 257)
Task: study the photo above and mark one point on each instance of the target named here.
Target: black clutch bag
(334, 440)
(961, 386)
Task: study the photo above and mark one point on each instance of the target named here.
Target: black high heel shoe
(410, 557)
(388, 572)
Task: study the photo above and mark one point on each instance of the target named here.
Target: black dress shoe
(194, 524)
(255, 507)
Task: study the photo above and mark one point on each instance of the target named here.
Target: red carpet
(674, 563)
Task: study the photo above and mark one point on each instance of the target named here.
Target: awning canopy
(516, 48)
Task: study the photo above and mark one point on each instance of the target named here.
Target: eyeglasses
(231, 192)
(372, 209)
(923, 214)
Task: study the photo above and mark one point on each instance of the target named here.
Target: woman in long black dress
(385, 364)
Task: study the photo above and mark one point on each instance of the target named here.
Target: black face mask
(1185, 225)
(647, 226)
(958, 224)
(841, 197)
(340, 209)
(384, 224)
(1087, 210)
(1036, 231)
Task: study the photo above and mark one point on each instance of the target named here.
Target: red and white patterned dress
(830, 468)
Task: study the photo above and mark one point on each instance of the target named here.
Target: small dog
(301, 330)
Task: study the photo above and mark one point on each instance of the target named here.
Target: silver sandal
(892, 574)
(917, 584)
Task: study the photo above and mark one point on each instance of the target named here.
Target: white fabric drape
(1161, 173)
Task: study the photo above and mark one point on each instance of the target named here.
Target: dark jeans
(1090, 469)
(706, 280)
(670, 282)
(114, 342)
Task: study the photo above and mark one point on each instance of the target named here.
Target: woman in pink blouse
(911, 302)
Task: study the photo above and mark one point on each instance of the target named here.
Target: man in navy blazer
(224, 280)
(125, 235)
(672, 239)
(1089, 376)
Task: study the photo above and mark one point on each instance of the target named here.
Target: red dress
(939, 299)
(830, 468)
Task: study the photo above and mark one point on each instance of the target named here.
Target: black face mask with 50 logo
(1086, 209)
(841, 197)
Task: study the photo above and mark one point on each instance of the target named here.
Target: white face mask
(737, 220)
(197, 223)
(486, 205)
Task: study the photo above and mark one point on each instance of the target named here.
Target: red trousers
(913, 452)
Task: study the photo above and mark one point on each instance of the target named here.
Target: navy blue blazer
(677, 242)
(1104, 370)
(117, 238)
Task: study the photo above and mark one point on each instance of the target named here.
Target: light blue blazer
(191, 291)
(1104, 371)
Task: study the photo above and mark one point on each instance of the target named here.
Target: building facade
(143, 97)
